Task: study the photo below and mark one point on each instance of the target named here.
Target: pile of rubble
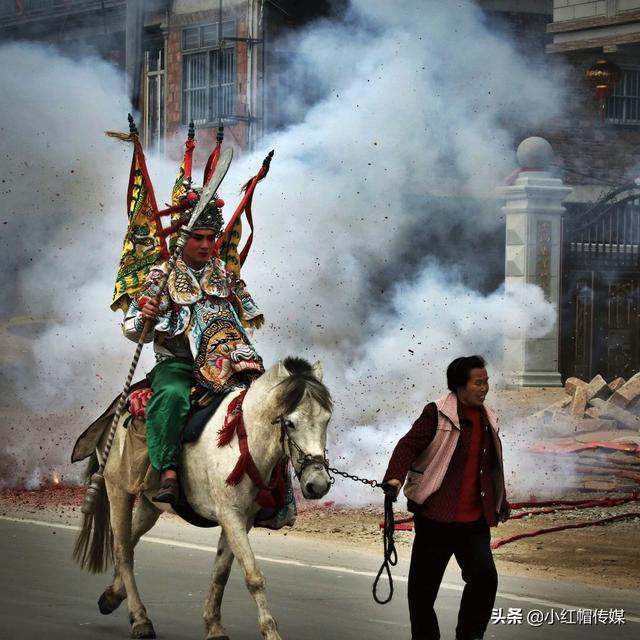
(594, 406)
(598, 425)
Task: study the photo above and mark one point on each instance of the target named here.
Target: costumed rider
(201, 341)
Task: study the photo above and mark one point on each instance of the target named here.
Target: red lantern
(603, 75)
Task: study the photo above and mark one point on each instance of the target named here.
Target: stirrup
(169, 492)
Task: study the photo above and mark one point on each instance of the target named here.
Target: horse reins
(389, 547)
(390, 553)
(304, 459)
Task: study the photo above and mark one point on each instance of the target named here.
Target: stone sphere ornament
(534, 154)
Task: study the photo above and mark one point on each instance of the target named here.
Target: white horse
(286, 412)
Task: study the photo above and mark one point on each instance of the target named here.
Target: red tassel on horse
(231, 420)
(240, 469)
(264, 498)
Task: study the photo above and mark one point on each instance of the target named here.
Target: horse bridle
(304, 460)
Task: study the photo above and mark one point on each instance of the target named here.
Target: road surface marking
(322, 567)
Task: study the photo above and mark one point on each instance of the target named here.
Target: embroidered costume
(204, 316)
(200, 338)
(201, 333)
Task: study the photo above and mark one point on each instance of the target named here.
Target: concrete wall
(623, 6)
(576, 9)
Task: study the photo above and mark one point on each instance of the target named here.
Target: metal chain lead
(389, 548)
(306, 458)
(349, 476)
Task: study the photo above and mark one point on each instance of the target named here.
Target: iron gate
(600, 323)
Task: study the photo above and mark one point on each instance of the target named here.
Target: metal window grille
(208, 74)
(154, 100)
(14, 8)
(194, 81)
(623, 105)
(8, 9)
(38, 5)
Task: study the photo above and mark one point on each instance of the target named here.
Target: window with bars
(623, 105)
(154, 99)
(208, 73)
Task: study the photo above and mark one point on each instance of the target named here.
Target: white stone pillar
(533, 213)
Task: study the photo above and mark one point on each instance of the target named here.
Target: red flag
(212, 162)
(227, 244)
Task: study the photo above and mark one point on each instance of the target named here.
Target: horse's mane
(301, 380)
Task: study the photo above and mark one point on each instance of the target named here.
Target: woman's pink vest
(429, 468)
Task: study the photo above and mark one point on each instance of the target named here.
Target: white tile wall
(585, 10)
(628, 5)
(563, 13)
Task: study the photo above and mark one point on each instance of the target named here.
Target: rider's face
(199, 248)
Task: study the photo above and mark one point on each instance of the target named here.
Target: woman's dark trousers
(434, 544)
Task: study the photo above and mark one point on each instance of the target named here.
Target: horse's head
(305, 408)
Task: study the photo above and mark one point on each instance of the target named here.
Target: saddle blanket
(138, 475)
(198, 417)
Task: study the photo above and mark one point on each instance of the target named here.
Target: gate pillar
(533, 213)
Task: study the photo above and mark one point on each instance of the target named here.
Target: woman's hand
(393, 487)
(505, 512)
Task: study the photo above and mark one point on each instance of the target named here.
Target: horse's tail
(93, 550)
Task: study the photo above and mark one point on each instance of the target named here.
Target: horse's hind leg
(236, 530)
(144, 517)
(219, 577)
(121, 503)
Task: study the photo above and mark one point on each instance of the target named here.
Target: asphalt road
(316, 591)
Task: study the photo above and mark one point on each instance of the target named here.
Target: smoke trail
(358, 260)
(62, 219)
(376, 253)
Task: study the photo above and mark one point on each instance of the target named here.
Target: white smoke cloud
(535, 475)
(348, 259)
(63, 217)
(403, 365)
(419, 102)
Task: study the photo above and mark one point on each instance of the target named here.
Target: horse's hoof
(143, 630)
(109, 601)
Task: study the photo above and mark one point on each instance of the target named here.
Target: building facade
(216, 61)
(598, 145)
(206, 61)
(594, 142)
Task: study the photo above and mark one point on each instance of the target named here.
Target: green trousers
(167, 410)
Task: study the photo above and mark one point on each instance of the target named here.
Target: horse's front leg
(221, 569)
(121, 503)
(235, 529)
(144, 517)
